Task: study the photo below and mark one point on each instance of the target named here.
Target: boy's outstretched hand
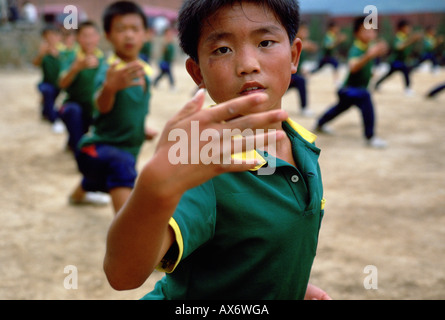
(130, 75)
(140, 235)
(241, 113)
(118, 79)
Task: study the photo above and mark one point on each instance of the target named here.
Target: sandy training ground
(385, 208)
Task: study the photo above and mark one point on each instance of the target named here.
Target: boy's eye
(266, 43)
(222, 50)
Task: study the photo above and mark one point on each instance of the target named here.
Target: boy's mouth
(251, 87)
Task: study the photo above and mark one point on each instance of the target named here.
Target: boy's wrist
(156, 182)
(109, 88)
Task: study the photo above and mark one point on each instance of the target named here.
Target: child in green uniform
(429, 51)
(107, 154)
(167, 59)
(147, 48)
(331, 41)
(48, 60)
(401, 52)
(228, 230)
(77, 79)
(298, 79)
(355, 89)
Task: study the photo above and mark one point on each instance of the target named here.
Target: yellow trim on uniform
(170, 266)
(253, 155)
(302, 131)
(121, 64)
(361, 45)
(323, 203)
(97, 53)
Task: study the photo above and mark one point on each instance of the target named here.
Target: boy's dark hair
(86, 24)
(193, 14)
(358, 23)
(50, 28)
(121, 8)
(403, 23)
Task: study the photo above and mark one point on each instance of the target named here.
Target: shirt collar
(360, 44)
(121, 64)
(253, 155)
(97, 52)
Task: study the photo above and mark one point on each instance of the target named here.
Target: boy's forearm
(105, 98)
(357, 64)
(68, 77)
(37, 61)
(140, 236)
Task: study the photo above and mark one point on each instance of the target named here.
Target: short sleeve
(193, 224)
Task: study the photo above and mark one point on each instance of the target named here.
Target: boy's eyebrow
(267, 29)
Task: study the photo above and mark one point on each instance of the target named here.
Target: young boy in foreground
(107, 154)
(225, 231)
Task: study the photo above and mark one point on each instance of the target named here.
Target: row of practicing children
(211, 228)
(104, 133)
(366, 51)
(60, 47)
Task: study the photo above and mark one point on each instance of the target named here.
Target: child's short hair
(86, 24)
(403, 23)
(49, 28)
(358, 23)
(121, 8)
(194, 12)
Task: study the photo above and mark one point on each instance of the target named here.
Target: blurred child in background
(355, 89)
(402, 49)
(429, 49)
(147, 48)
(332, 40)
(167, 59)
(48, 60)
(107, 154)
(298, 80)
(77, 79)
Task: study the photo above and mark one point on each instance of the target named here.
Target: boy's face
(127, 35)
(88, 39)
(52, 37)
(366, 35)
(406, 29)
(244, 50)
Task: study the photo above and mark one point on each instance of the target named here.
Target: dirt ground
(384, 207)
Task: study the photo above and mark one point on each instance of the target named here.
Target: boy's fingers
(257, 120)
(192, 106)
(233, 108)
(233, 157)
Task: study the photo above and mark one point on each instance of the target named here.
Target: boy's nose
(247, 63)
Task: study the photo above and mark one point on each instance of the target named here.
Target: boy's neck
(126, 59)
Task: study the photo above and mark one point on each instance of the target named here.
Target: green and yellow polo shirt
(246, 235)
(401, 54)
(81, 90)
(329, 43)
(50, 66)
(361, 78)
(124, 126)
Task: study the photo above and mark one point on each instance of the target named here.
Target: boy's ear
(195, 72)
(296, 48)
